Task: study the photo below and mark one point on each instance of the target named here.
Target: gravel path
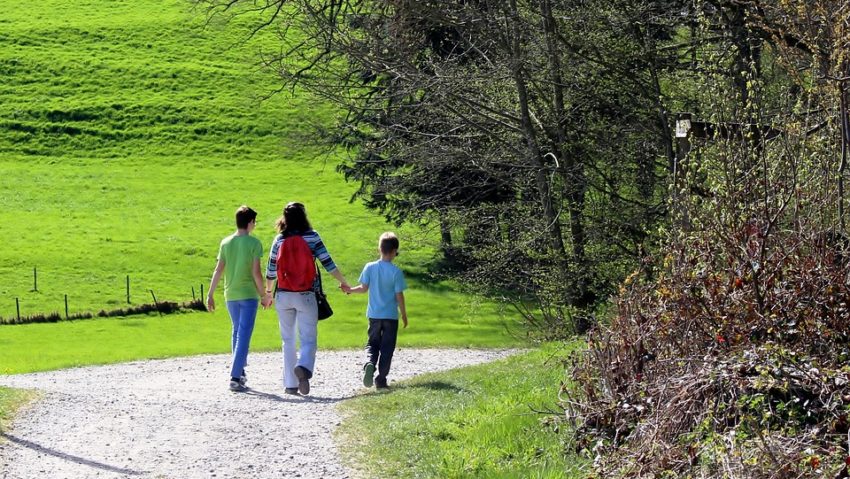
(175, 418)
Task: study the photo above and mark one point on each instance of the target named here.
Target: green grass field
(481, 421)
(38, 347)
(129, 134)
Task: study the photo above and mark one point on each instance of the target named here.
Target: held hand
(345, 288)
(267, 300)
(210, 304)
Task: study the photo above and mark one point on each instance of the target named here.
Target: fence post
(202, 291)
(18, 308)
(193, 293)
(66, 306)
(128, 289)
(156, 305)
(35, 279)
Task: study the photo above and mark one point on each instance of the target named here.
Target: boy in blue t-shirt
(385, 284)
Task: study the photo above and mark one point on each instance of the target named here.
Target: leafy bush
(733, 360)
(727, 356)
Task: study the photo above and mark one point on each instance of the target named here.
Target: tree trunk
(445, 237)
(845, 144)
(553, 226)
(571, 170)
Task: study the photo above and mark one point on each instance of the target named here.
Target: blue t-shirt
(384, 280)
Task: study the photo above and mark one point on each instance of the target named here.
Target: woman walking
(290, 278)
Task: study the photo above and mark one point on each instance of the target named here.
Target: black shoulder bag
(325, 310)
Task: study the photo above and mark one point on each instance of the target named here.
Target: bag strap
(318, 274)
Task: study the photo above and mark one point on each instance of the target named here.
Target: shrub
(728, 353)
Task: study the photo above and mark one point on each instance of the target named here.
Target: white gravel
(176, 418)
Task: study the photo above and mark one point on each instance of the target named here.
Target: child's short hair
(244, 216)
(388, 242)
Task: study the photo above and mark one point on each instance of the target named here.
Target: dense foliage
(727, 356)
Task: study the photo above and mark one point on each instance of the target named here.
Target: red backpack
(295, 268)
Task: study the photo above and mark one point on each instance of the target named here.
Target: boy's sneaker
(243, 379)
(303, 380)
(368, 374)
(381, 384)
(235, 386)
(293, 391)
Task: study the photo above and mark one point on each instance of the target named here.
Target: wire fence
(163, 307)
(160, 307)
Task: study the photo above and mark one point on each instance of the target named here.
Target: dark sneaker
(381, 384)
(368, 374)
(235, 386)
(243, 379)
(293, 391)
(303, 379)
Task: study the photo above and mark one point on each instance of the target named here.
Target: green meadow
(129, 134)
(481, 421)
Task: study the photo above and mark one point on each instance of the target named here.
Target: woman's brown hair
(294, 219)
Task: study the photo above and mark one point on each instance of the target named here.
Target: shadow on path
(68, 457)
(294, 398)
(325, 400)
(270, 396)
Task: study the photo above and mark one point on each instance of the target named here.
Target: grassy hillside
(129, 133)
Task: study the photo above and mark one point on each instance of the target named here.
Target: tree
(529, 135)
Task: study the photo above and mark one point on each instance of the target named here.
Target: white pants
(297, 309)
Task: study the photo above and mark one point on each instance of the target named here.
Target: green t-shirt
(238, 254)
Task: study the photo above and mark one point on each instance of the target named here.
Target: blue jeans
(243, 313)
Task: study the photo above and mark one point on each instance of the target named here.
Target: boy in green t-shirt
(239, 260)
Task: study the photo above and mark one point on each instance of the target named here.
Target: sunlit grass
(129, 134)
(480, 421)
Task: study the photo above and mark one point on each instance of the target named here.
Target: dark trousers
(379, 349)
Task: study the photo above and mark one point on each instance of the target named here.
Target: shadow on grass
(68, 457)
(429, 281)
(431, 385)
